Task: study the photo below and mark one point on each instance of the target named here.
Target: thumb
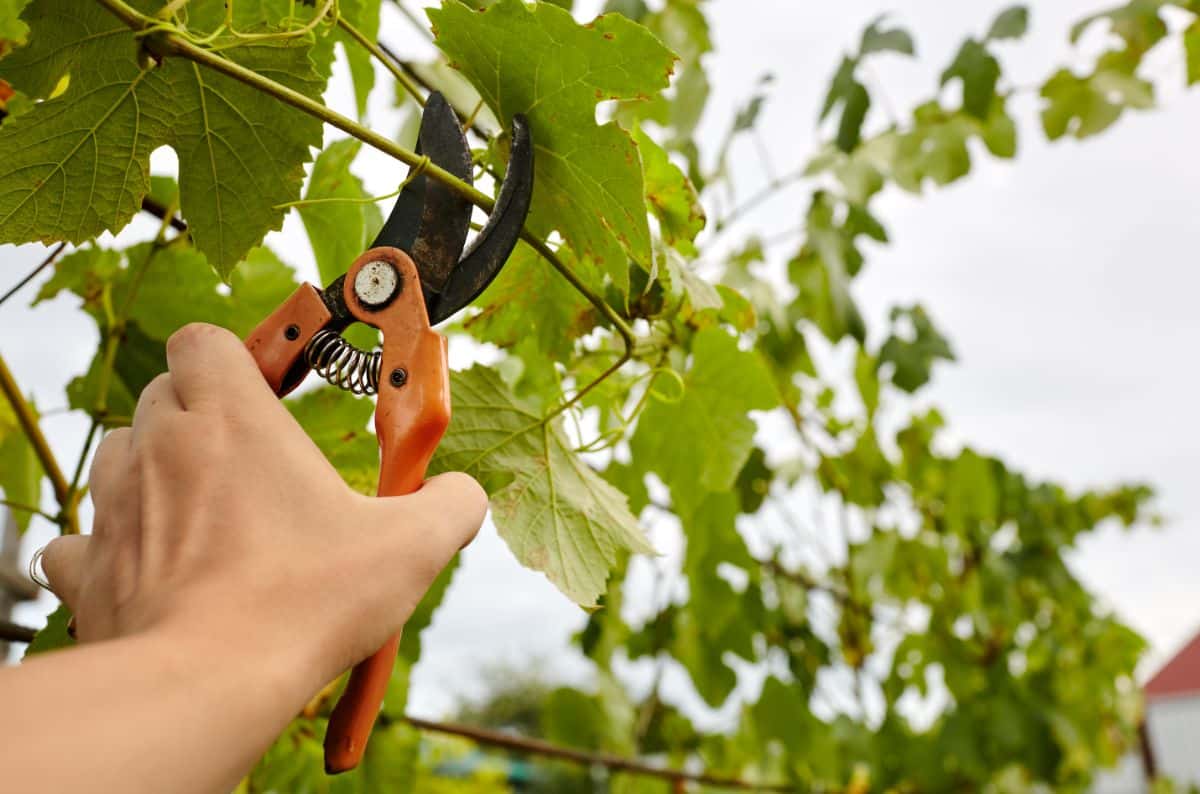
(443, 516)
(63, 561)
(461, 503)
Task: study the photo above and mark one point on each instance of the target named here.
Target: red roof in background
(1179, 676)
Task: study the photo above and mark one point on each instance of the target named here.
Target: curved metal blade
(489, 252)
(430, 221)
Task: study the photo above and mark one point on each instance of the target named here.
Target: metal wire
(342, 364)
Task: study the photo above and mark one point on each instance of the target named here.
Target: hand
(218, 520)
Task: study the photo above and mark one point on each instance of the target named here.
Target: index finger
(212, 371)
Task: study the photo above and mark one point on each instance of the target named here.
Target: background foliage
(638, 387)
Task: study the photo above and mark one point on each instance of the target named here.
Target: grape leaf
(176, 286)
(337, 422)
(531, 300)
(538, 61)
(20, 469)
(1191, 45)
(701, 441)
(556, 514)
(338, 231)
(913, 356)
(877, 38)
(670, 196)
(1087, 105)
(53, 635)
(12, 29)
(78, 164)
(1011, 23)
(979, 71)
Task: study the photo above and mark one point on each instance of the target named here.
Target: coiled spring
(343, 364)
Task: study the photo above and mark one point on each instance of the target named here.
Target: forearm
(144, 714)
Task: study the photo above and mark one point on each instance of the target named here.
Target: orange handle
(411, 414)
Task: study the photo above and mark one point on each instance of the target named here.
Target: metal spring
(343, 364)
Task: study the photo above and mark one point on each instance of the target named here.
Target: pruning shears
(414, 275)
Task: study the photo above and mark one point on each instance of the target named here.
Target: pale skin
(229, 576)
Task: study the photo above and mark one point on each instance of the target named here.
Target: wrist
(275, 669)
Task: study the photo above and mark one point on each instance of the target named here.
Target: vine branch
(613, 763)
(14, 632)
(45, 263)
(24, 508)
(26, 417)
(381, 55)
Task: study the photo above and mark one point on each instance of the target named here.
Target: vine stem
(24, 508)
(29, 424)
(49, 260)
(613, 763)
(372, 47)
(170, 43)
(415, 76)
(15, 632)
(749, 205)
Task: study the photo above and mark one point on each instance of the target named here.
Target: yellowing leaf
(670, 196)
(556, 514)
(538, 61)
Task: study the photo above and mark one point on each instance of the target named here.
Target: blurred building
(1171, 735)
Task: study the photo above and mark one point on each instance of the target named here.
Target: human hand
(219, 522)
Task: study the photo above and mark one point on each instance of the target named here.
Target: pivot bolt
(399, 377)
(376, 283)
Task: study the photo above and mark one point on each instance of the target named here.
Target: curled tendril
(610, 437)
(170, 21)
(413, 173)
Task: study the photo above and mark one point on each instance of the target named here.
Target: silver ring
(36, 572)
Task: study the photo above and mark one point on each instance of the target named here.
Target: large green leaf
(556, 514)
(699, 442)
(538, 61)
(78, 164)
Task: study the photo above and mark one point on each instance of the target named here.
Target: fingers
(448, 511)
(110, 468)
(212, 371)
(157, 399)
(63, 561)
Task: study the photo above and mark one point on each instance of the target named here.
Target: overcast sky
(1064, 279)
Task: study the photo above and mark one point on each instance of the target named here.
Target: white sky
(1063, 280)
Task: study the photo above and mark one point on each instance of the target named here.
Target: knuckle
(160, 382)
(112, 441)
(194, 335)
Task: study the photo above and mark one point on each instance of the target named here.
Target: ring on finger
(37, 572)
